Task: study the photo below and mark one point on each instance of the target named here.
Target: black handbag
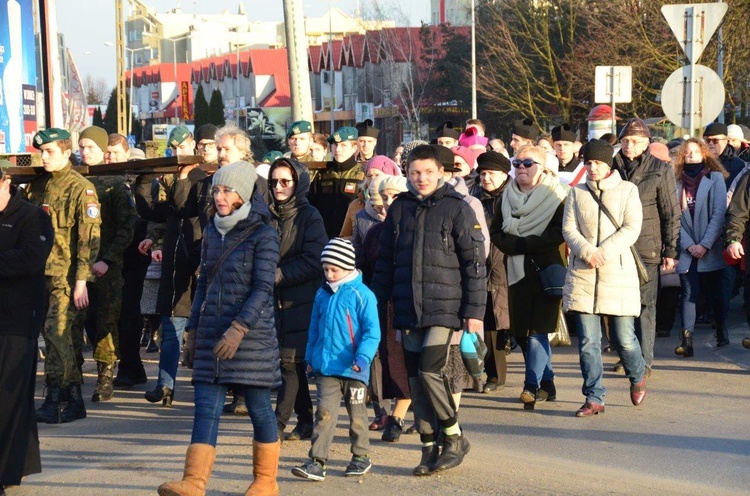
(642, 272)
(552, 278)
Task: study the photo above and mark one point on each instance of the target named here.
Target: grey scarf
(226, 223)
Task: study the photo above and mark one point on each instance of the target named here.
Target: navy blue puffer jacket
(242, 291)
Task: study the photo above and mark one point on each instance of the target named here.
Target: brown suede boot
(199, 461)
(265, 469)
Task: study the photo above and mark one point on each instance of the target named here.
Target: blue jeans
(538, 357)
(209, 403)
(172, 330)
(622, 336)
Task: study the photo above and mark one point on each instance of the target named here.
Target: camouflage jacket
(333, 190)
(71, 201)
(118, 217)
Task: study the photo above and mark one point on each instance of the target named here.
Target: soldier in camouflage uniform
(105, 293)
(72, 204)
(336, 186)
(299, 138)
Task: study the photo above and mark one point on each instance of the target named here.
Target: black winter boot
(685, 348)
(74, 409)
(104, 388)
(455, 447)
(429, 458)
(49, 412)
(722, 336)
(392, 432)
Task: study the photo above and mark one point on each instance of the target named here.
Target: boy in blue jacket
(342, 341)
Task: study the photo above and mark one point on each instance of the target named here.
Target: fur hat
(635, 127)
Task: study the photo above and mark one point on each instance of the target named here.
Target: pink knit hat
(384, 164)
(470, 137)
(469, 155)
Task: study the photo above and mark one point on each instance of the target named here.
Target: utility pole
(296, 49)
(123, 113)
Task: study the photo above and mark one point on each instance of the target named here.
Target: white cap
(735, 132)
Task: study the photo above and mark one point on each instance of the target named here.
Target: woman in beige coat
(602, 278)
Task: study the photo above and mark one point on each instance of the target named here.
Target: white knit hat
(339, 252)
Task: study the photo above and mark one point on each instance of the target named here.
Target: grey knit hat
(240, 176)
(408, 147)
(339, 252)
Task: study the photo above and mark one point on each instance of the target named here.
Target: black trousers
(294, 393)
(496, 361)
(131, 320)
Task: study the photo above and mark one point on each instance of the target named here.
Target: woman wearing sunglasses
(603, 217)
(528, 229)
(302, 237)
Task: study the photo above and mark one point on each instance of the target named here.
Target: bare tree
(97, 91)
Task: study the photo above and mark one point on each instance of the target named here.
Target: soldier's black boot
(75, 409)
(49, 412)
(429, 458)
(455, 447)
(104, 388)
(685, 348)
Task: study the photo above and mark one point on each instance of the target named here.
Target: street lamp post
(130, 88)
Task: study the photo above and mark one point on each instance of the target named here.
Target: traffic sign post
(693, 25)
(614, 84)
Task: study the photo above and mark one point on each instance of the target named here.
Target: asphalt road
(690, 436)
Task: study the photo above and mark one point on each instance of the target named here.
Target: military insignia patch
(337, 138)
(350, 188)
(38, 139)
(295, 130)
(90, 192)
(92, 210)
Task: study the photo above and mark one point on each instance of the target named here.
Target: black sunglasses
(284, 182)
(527, 163)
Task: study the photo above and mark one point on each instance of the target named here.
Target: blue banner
(17, 75)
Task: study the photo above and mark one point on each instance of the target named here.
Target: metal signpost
(614, 84)
(693, 96)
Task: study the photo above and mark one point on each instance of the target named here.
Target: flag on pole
(77, 107)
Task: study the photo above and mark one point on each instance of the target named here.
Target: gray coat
(705, 226)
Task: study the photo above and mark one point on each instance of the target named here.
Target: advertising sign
(17, 73)
(185, 96)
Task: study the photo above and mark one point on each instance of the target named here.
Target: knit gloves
(227, 346)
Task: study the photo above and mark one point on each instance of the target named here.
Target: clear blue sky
(88, 24)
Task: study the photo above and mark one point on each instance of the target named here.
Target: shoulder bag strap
(242, 237)
(604, 209)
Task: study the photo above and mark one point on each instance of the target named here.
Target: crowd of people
(361, 273)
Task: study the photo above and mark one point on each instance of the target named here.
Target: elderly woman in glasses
(602, 278)
(298, 276)
(528, 229)
(231, 339)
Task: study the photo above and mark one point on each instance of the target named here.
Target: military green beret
(178, 135)
(49, 135)
(269, 157)
(345, 133)
(299, 127)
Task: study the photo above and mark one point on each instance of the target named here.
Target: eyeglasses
(527, 163)
(284, 182)
(715, 141)
(216, 190)
(206, 146)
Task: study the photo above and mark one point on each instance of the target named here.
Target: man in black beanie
(205, 138)
(657, 244)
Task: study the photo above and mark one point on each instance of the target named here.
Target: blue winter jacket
(344, 328)
(242, 291)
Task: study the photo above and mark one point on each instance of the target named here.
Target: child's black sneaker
(359, 465)
(313, 470)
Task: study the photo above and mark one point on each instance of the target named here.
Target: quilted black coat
(431, 261)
